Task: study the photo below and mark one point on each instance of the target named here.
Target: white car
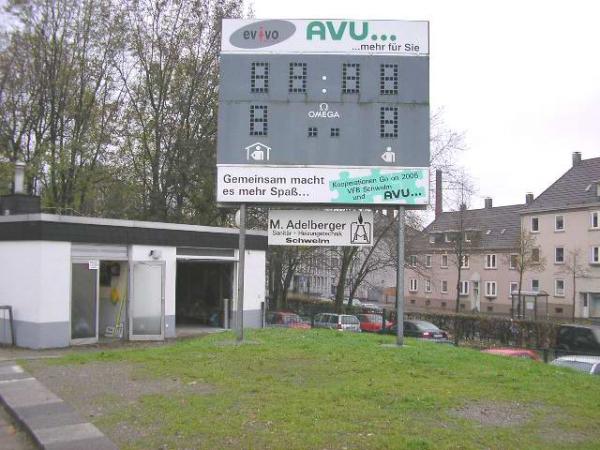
(341, 322)
(587, 364)
(355, 302)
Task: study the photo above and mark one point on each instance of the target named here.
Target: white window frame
(595, 217)
(442, 284)
(432, 238)
(595, 255)
(510, 261)
(491, 289)
(513, 286)
(464, 262)
(428, 285)
(412, 260)
(558, 293)
(539, 252)
(442, 265)
(556, 223)
(556, 261)
(428, 259)
(464, 287)
(413, 285)
(490, 261)
(537, 230)
(533, 288)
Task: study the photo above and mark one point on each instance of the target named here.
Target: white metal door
(147, 305)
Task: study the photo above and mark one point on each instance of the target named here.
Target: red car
(286, 320)
(514, 352)
(372, 322)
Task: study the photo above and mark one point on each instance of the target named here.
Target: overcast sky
(520, 78)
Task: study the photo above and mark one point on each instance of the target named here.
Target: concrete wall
(254, 287)
(35, 279)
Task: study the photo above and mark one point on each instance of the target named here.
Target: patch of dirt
(97, 389)
(495, 414)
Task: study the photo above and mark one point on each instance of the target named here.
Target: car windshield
(291, 318)
(347, 320)
(426, 326)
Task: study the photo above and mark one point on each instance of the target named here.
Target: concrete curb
(52, 423)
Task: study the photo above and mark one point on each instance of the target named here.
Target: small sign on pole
(321, 228)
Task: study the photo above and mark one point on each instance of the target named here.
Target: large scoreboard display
(327, 112)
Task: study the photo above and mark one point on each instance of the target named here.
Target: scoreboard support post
(400, 280)
(239, 323)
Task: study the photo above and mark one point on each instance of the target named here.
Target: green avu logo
(359, 31)
(319, 30)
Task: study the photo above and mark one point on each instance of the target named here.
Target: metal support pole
(241, 263)
(400, 280)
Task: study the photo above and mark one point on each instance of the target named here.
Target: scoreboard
(327, 112)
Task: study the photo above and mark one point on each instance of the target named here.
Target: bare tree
(460, 236)
(526, 259)
(574, 268)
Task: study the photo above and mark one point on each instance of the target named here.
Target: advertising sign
(323, 185)
(326, 36)
(320, 228)
(330, 112)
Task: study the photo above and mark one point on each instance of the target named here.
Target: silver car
(587, 364)
(341, 322)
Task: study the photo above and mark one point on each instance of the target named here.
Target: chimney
(488, 203)
(19, 186)
(528, 198)
(438, 193)
(576, 158)
(19, 202)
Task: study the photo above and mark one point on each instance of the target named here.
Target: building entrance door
(84, 302)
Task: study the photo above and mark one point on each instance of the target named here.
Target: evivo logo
(358, 31)
(262, 33)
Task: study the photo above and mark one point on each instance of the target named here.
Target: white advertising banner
(363, 37)
(320, 228)
(323, 185)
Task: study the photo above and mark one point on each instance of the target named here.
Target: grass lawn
(328, 390)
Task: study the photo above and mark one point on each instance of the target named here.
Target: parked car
(587, 364)
(420, 329)
(372, 322)
(341, 322)
(286, 320)
(578, 339)
(372, 308)
(514, 352)
(354, 302)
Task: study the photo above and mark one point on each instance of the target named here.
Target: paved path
(51, 422)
